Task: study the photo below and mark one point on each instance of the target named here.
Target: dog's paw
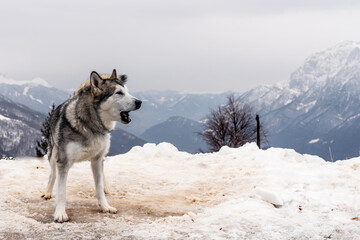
(108, 209)
(47, 196)
(61, 217)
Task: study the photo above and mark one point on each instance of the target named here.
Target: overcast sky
(185, 45)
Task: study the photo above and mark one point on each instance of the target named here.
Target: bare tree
(215, 131)
(232, 125)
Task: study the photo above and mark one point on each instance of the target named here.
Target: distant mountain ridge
(322, 95)
(180, 131)
(34, 82)
(122, 142)
(317, 111)
(36, 94)
(19, 128)
(159, 106)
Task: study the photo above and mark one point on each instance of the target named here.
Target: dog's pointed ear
(96, 82)
(123, 78)
(95, 79)
(113, 75)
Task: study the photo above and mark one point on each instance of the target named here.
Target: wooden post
(258, 130)
(331, 156)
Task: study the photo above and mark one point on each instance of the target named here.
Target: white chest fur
(95, 148)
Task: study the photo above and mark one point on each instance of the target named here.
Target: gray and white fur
(80, 130)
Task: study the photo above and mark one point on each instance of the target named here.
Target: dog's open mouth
(125, 117)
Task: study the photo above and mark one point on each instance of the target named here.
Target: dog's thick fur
(80, 130)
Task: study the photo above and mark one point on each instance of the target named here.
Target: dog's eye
(120, 93)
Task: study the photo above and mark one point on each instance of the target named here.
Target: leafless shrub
(232, 125)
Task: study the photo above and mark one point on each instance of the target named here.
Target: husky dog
(79, 129)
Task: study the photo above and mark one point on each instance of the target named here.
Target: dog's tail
(44, 145)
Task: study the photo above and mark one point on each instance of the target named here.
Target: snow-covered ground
(161, 193)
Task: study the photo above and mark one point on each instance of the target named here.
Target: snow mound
(162, 193)
(269, 196)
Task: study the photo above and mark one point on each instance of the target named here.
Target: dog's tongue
(125, 117)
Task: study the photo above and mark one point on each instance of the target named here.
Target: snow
(33, 82)
(269, 196)
(353, 117)
(314, 140)
(177, 101)
(325, 65)
(26, 90)
(162, 99)
(3, 118)
(35, 99)
(306, 107)
(162, 193)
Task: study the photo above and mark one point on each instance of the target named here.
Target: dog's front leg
(60, 213)
(97, 168)
(106, 185)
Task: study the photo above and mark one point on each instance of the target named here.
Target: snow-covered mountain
(36, 94)
(317, 111)
(19, 128)
(320, 102)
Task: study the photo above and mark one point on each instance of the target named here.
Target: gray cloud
(183, 45)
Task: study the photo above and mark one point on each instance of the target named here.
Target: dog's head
(112, 96)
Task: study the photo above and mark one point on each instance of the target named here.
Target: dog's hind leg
(97, 168)
(62, 173)
(52, 177)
